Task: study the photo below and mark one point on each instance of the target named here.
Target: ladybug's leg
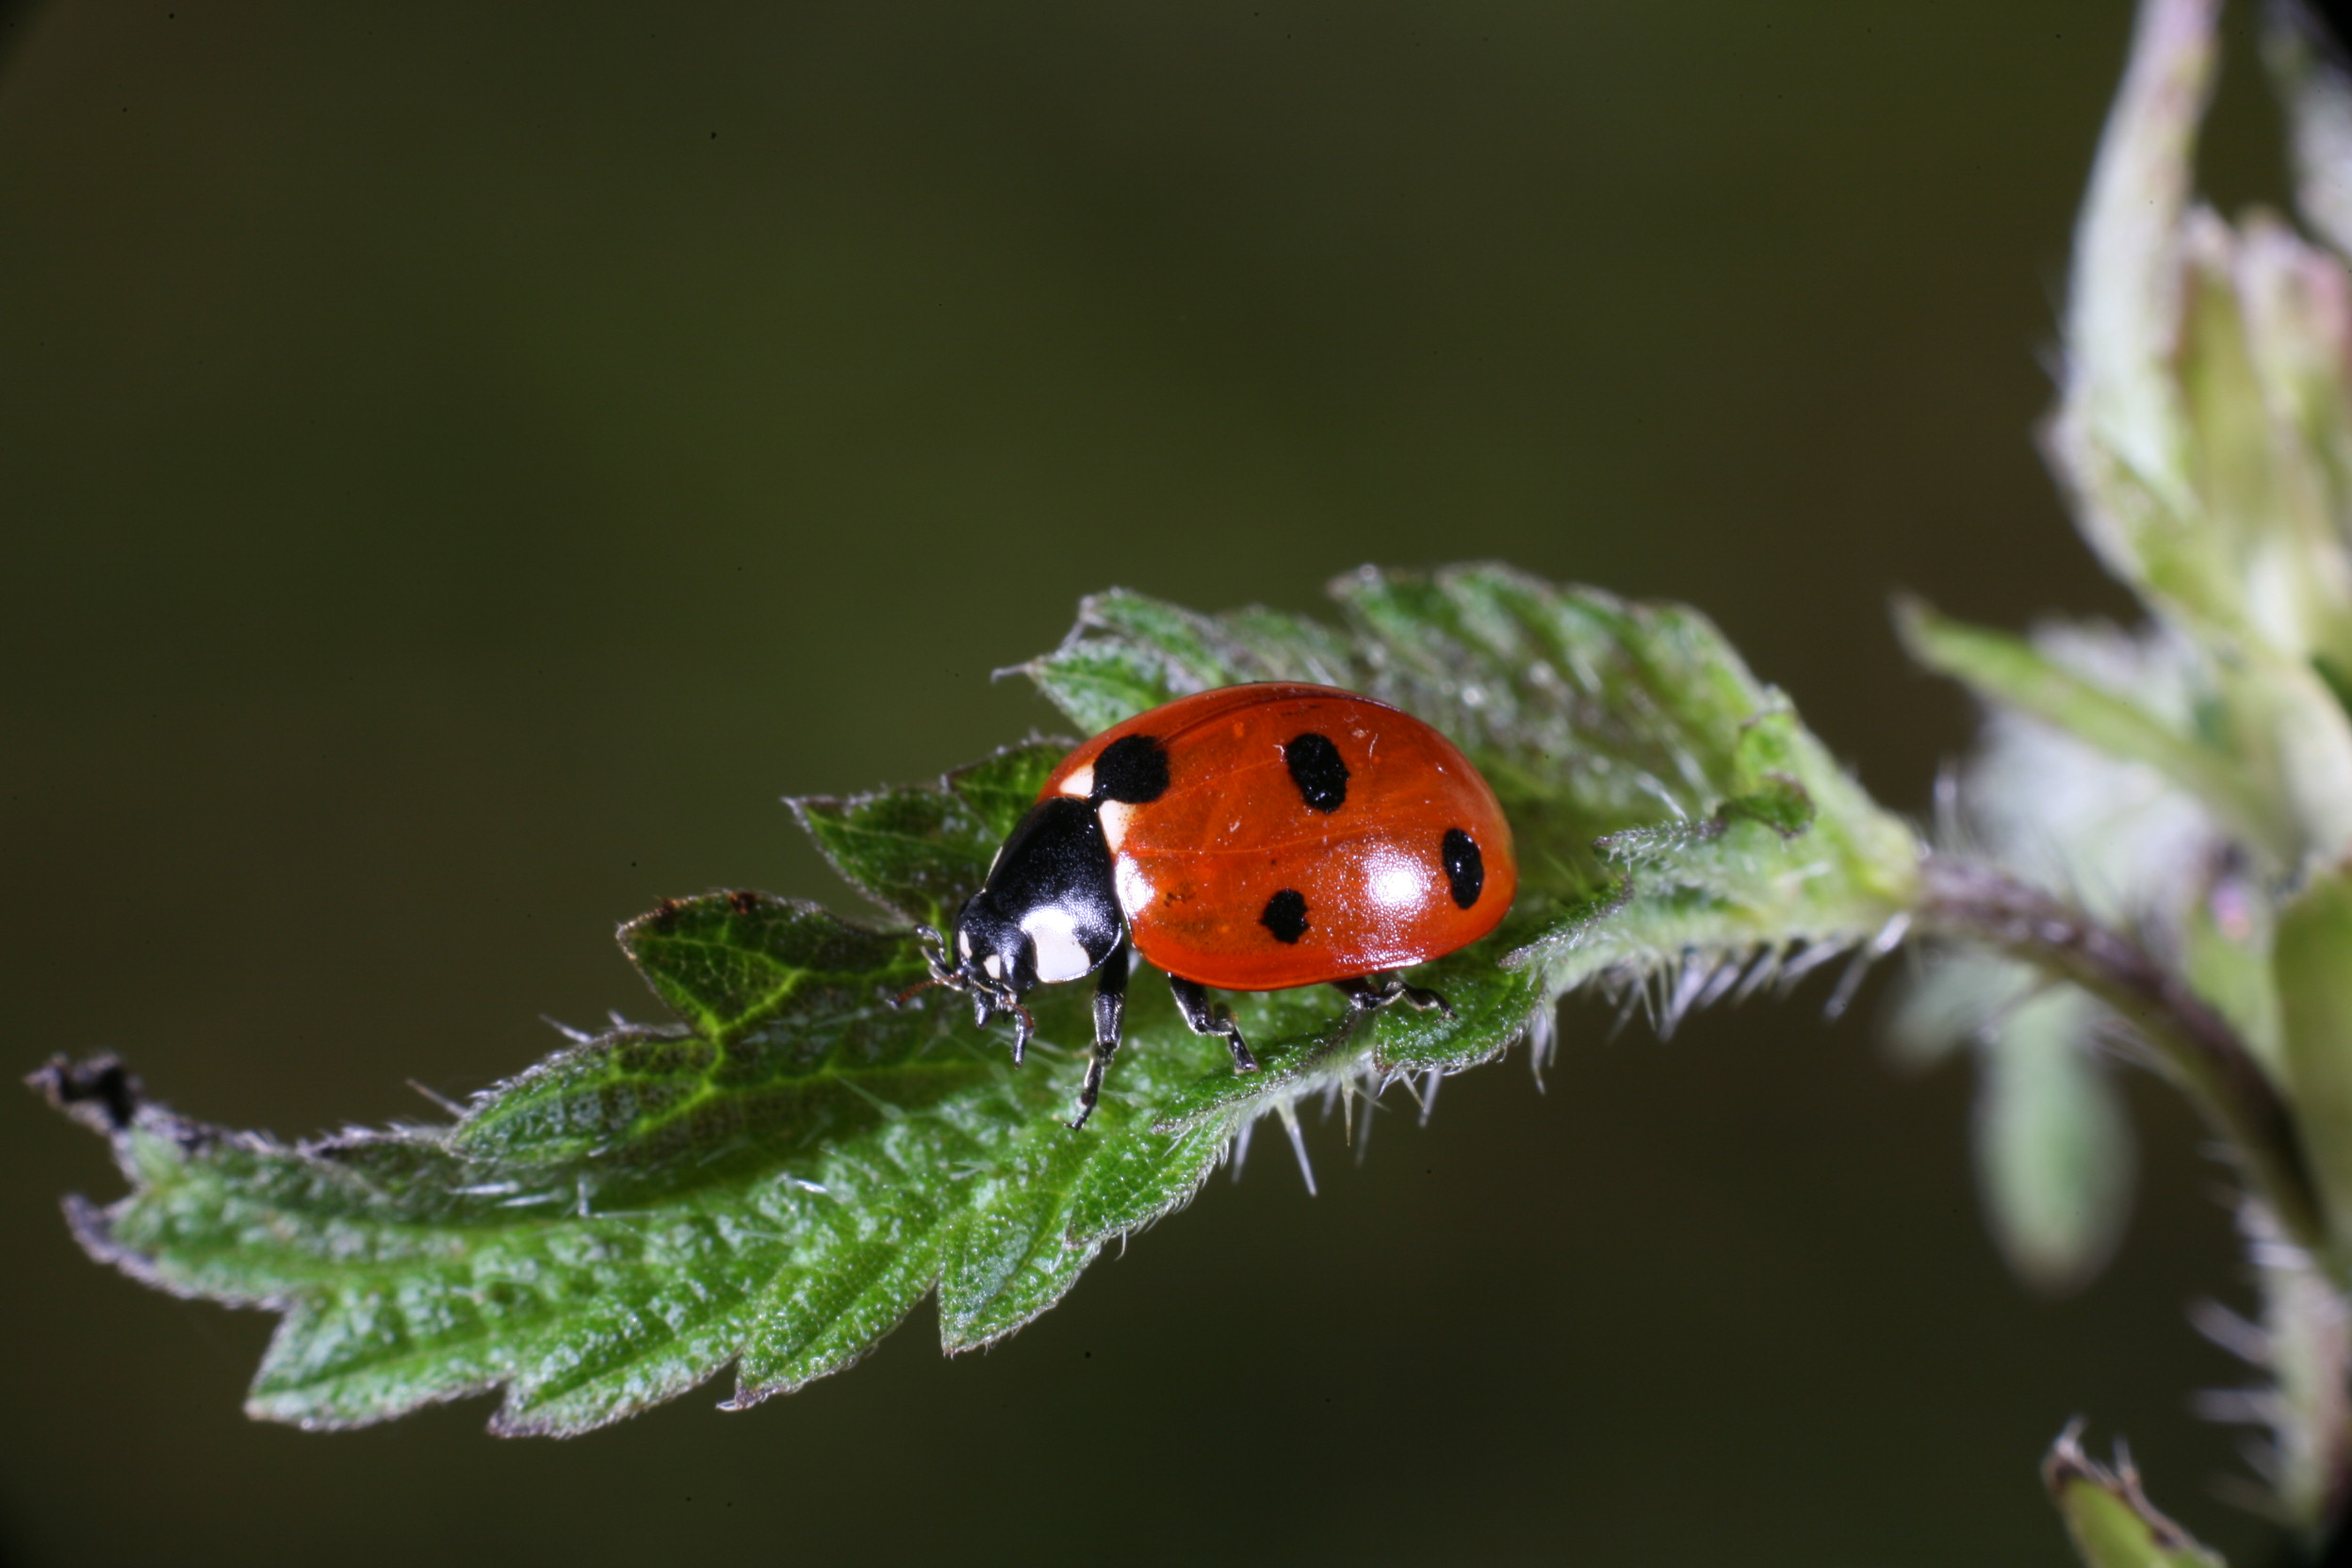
(1379, 991)
(1110, 1017)
(1192, 1000)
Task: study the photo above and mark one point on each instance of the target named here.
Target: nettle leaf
(2317, 93)
(776, 1178)
(2312, 962)
(2213, 762)
(2054, 1158)
(2297, 1409)
(2053, 1151)
(912, 851)
(1676, 824)
(2200, 428)
(2109, 1516)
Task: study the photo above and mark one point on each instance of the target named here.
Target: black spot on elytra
(1465, 868)
(1316, 767)
(1285, 915)
(1131, 770)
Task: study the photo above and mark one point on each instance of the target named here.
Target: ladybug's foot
(1110, 1022)
(934, 949)
(1091, 1090)
(1377, 990)
(1422, 1001)
(1192, 1000)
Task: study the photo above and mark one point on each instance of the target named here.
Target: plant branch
(1974, 902)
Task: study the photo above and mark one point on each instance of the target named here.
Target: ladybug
(1250, 838)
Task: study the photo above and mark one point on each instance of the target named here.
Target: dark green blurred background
(460, 464)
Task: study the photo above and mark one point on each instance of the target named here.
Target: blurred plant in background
(2188, 780)
(2148, 856)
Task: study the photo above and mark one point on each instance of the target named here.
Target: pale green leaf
(2119, 435)
(2009, 670)
(2053, 1153)
(2202, 433)
(2317, 92)
(2109, 1517)
(2054, 1159)
(2314, 964)
(2226, 931)
(2301, 1406)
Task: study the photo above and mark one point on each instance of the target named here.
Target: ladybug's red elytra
(1250, 838)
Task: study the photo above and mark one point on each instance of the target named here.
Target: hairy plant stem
(1970, 901)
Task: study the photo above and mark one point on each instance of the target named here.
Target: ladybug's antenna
(902, 998)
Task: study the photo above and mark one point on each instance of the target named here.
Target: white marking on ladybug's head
(1134, 892)
(963, 944)
(1115, 816)
(1081, 783)
(994, 964)
(1054, 933)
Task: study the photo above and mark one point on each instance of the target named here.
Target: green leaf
(2006, 669)
(2109, 1517)
(913, 851)
(728, 963)
(2054, 1161)
(1949, 1003)
(1676, 821)
(2196, 355)
(2227, 934)
(2302, 1405)
(2203, 434)
(2054, 1151)
(2119, 435)
(2312, 960)
(777, 1178)
(2318, 96)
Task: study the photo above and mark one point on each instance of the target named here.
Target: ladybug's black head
(1047, 912)
(993, 957)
